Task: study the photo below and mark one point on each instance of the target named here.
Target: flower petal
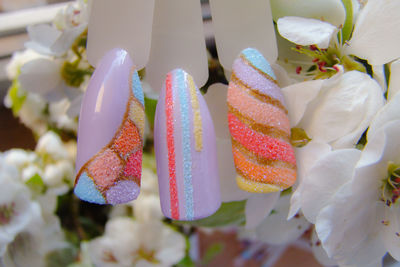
(377, 32)
(258, 207)
(34, 72)
(67, 38)
(306, 158)
(343, 109)
(331, 11)
(390, 112)
(325, 178)
(227, 173)
(319, 252)
(391, 231)
(304, 31)
(42, 37)
(297, 96)
(394, 83)
(276, 229)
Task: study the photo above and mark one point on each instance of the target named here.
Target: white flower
(376, 32)
(16, 209)
(31, 246)
(19, 158)
(276, 229)
(35, 72)
(50, 143)
(73, 15)
(336, 110)
(18, 59)
(127, 242)
(32, 113)
(59, 115)
(56, 174)
(359, 222)
(331, 11)
(47, 40)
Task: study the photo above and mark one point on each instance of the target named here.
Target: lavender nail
(185, 146)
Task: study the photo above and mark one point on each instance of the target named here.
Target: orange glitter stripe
(267, 174)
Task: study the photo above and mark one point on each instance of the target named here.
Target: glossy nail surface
(185, 146)
(110, 134)
(259, 126)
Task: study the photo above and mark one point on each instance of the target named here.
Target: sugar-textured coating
(182, 88)
(258, 61)
(280, 176)
(262, 145)
(137, 87)
(169, 110)
(137, 115)
(260, 112)
(105, 168)
(259, 126)
(256, 81)
(256, 187)
(128, 139)
(124, 191)
(133, 165)
(86, 190)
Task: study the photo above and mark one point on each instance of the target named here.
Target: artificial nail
(259, 126)
(110, 134)
(185, 147)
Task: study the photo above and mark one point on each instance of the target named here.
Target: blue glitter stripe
(137, 87)
(258, 61)
(86, 190)
(187, 153)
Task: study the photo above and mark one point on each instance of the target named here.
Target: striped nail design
(259, 126)
(185, 151)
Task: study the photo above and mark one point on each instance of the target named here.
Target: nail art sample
(110, 134)
(185, 147)
(259, 126)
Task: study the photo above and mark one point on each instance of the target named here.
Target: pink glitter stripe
(262, 145)
(171, 149)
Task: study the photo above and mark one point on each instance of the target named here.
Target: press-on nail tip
(259, 126)
(110, 134)
(185, 147)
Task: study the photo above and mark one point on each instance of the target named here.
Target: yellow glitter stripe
(197, 123)
(255, 187)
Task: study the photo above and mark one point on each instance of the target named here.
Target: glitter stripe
(259, 112)
(258, 62)
(173, 189)
(263, 145)
(266, 174)
(259, 160)
(137, 86)
(258, 127)
(260, 96)
(186, 146)
(256, 187)
(197, 123)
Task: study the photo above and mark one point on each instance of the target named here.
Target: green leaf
(150, 108)
(186, 262)
(211, 252)
(230, 213)
(16, 96)
(348, 23)
(35, 183)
